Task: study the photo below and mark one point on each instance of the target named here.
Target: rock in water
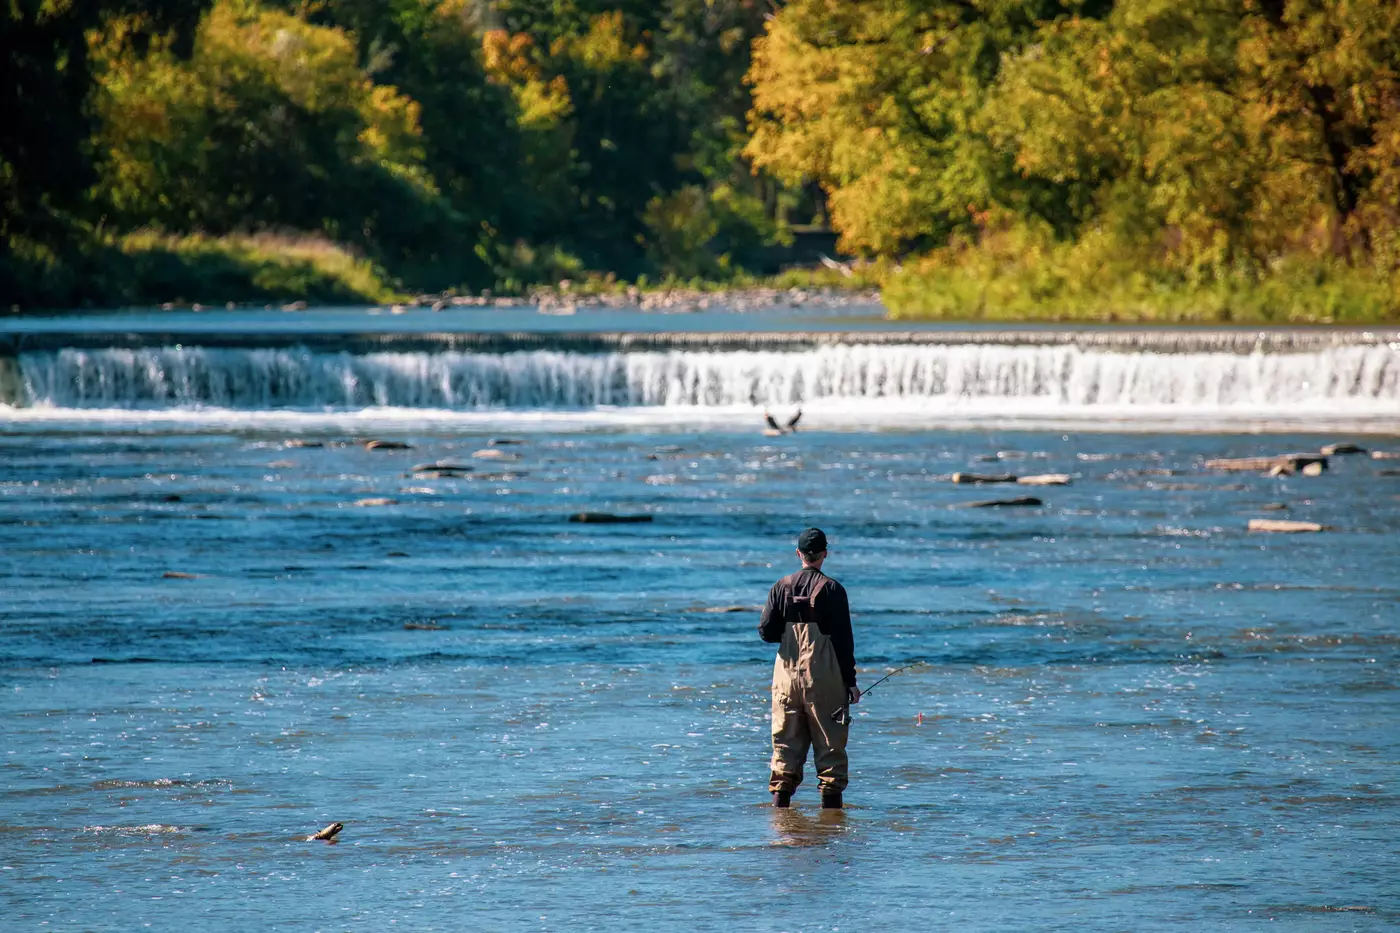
(983, 478)
(1045, 479)
(606, 518)
(1000, 503)
(326, 835)
(1263, 464)
(1285, 527)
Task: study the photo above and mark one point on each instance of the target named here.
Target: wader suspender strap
(811, 602)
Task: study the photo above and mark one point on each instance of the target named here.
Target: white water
(1352, 385)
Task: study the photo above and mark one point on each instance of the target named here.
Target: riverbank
(292, 271)
(1056, 285)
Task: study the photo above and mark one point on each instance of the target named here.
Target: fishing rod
(841, 715)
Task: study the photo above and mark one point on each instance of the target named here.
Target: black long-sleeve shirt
(832, 613)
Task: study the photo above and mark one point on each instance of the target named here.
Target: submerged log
(983, 478)
(326, 835)
(607, 518)
(1281, 526)
(1000, 503)
(441, 466)
(1045, 479)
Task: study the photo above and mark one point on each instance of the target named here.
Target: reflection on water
(794, 827)
(1134, 714)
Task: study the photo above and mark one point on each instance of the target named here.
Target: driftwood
(999, 503)
(605, 518)
(1285, 527)
(983, 478)
(1045, 479)
(1264, 464)
(327, 834)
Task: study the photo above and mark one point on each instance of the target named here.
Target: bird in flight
(774, 428)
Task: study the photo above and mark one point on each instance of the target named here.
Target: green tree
(45, 80)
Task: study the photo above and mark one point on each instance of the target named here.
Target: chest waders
(807, 686)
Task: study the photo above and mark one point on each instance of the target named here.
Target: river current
(221, 631)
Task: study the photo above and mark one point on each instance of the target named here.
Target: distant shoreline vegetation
(1056, 160)
(151, 269)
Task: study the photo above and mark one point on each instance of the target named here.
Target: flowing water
(1131, 714)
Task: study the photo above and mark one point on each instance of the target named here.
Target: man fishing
(814, 676)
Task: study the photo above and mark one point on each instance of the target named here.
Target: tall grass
(1019, 279)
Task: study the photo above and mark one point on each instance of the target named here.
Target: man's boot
(831, 799)
(782, 799)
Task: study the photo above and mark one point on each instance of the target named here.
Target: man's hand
(854, 693)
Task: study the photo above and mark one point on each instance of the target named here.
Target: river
(226, 622)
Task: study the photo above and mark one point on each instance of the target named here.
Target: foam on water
(847, 384)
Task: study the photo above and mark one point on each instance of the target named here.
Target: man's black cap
(811, 541)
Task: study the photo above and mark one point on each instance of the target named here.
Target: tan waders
(807, 689)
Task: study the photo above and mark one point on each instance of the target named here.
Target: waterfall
(1049, 377)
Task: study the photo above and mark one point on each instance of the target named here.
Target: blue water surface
(1131, 713)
